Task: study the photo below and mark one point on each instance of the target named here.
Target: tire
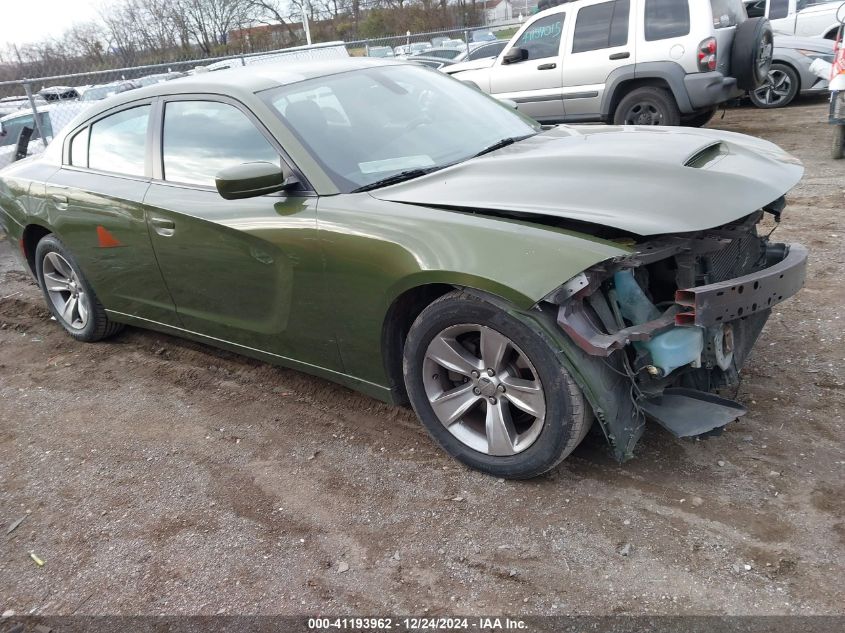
(779, 90)
(837, 149)
(751, 54)
(648, 105)
(533, 444)
(698, 119)
(86, 319)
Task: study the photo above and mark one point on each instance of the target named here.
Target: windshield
(366, 125)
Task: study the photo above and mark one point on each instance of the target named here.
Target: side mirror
(515, 55)
(250, 180)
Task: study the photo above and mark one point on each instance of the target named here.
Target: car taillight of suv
(707, 55)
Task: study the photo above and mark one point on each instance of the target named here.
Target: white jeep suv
(645, 62)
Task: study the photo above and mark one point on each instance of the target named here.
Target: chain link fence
(35, 110)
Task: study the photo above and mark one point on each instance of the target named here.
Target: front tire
(648, 105)
(490, 390)
(779, 89)
(68, 294)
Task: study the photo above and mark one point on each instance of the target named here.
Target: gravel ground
(161, 476)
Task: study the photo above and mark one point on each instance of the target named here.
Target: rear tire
(474, 405)
(648, 105)
(751, 54)
(68, 294)
(837, 149)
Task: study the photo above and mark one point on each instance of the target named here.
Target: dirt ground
(161, 476)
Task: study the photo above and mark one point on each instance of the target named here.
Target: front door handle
(547, 66)
(163, 226)
(624, 55)
(59, 201)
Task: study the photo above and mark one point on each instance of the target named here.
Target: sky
(24, 21)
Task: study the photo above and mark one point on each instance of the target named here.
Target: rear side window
(727, 13)
(203, 137)
(778, 9)
(542, 39)
(119, 142)
(602, 25)
(665, 19)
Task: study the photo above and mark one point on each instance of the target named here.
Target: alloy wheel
(776, 89)
(65, 291)
(484, 389)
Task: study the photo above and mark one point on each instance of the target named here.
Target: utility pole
(306, 9)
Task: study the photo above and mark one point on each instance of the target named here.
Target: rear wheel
(69, 296)
(648, 105)
(779, 89)
(490, 390)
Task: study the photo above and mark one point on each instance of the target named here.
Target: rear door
(95, 203)
(603, 40)
(248, 272)
(534, 83)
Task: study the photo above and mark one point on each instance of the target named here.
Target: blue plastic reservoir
(674, 348)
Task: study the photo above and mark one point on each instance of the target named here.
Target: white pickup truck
(808, 18)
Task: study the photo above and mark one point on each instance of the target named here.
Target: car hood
(645, 181)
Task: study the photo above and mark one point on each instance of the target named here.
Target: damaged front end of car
(661, 328)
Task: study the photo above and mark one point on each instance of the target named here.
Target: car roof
(245, 80)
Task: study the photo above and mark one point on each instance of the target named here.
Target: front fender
(375, 256)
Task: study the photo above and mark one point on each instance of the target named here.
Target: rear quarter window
(666, 18)
(727, 13)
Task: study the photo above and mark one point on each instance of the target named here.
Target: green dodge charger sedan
(387, 227)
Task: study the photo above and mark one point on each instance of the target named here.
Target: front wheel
(490, 390)
(647, 106)
(779, 89)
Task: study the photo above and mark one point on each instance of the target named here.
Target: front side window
(542, 39)
(366, 125)
(202, 137)
(778, 9)
(666, 18)
(602, 25)
(119, 142)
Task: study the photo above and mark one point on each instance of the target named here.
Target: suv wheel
(779, 89)
(648, 105)
(751, 54)
(490, 389)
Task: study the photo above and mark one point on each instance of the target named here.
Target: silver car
(790, 73)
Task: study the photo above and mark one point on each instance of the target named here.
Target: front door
(534, 83)
(248, 271)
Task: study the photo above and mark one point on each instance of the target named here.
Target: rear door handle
(546, 66)
(163, 226)
(59, 201)
(624, 55)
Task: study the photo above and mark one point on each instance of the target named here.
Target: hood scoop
(706, 156)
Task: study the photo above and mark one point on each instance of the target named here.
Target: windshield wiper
(402, 176)
(500, 144)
